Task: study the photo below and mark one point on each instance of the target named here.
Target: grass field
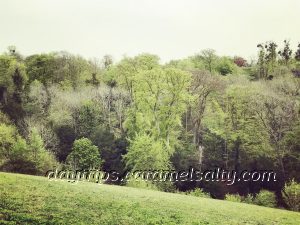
(36, 200)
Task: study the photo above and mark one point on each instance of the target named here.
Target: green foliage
(6, 78)
(248, 199)
(140, 183)
(42, 68)
(42, 158)
(159, 98)
(225, 66)
(112, 148)
(146, 153)
(233, 118)
(209, 59)
(198, 192)
(86, 119)
(20, 156)
(153, 116)
(13, 80)
(8, 141)
(291, 195)
(186, 64)
(233, 197)
(84, 155)
(265, 198)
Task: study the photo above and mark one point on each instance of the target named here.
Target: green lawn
(35, 200)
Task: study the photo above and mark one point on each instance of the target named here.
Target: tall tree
(209, 58)
(286, 53)
(159, 100)
(42, 68)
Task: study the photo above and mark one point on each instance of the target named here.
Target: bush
(84, 155)
(265, 198)
(140, 183)
(166, 186)
(198, 192)
(233, 197)
(248, 199)
(291, 195)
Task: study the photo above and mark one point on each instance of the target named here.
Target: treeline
(204, 111)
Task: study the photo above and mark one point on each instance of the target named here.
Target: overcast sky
(169, 28)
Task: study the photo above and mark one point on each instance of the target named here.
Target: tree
(8, 137)
(42, 68)
(84, 155)
(267, 60)
(86, 118)
(262, 67)
(94, 81)
(240, 61)
(159, 100)
(21, 156)
(208, 56)
(42, 159)
(286, 53)
(12, 89)
(107, 61)
(202, 86)
(233, 118)
(146, 153)
(112, 148)
(277, 114)
(126, 71)
(271, 56)
(297, 55)
(225, 66)
(6, 81)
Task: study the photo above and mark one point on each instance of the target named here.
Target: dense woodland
(204, 111)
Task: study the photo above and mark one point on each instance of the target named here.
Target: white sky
(169, 28)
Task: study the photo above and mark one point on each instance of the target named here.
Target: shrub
(291, 195)
(265, 198)
(84, 155)
(166, 186)
(248, 199)
(233, 197)
(140, 183)
(198, 192)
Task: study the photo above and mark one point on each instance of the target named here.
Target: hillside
(36, 200)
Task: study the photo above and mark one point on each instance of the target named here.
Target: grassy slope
(36, 200)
